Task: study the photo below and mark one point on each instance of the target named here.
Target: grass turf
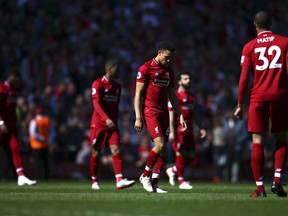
(76, 198)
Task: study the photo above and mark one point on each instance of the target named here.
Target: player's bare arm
(171, 125)
(137, 106)
(175, 103)
(239, 111)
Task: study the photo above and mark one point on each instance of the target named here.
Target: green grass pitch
(76, 198)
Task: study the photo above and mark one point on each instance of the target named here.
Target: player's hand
(203, 133)
(183, 123)
(110, 124)
(138, 124)
(238, 112)
(3, 128)
(171, 136)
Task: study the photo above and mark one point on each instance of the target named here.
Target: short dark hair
(183, 73)
(263, 20)
(111, 63)
(166, 45)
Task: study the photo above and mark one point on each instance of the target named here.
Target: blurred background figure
(40, 139)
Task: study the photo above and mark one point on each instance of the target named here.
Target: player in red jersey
(183, 141)
(266, 56)
(155, 80)
(9, 139)
(103, 129)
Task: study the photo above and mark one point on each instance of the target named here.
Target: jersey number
(273, 63)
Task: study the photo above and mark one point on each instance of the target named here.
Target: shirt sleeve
(246, 56)
(170, 107)
(243, 83)
(96, 97)
(142, 75)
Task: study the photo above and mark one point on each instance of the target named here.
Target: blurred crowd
(60, 48)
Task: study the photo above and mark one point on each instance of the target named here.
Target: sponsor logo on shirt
(161, 82)
(110, 98)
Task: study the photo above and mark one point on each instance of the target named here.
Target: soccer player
(155, 81)
(9, 139)
(103, 129)
(266, 57)
(183, 141)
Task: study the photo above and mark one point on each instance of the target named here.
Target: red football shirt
(158, 79)
(267, 55)
(106, 97)
(8, 99)
(187, 106)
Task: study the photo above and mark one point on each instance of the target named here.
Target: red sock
(157, 169)
(152, 159)
(280, 156)
(16, 155)
(179, 166)
(257, 162)
(94, 164)
(117, 165)
(159, 165)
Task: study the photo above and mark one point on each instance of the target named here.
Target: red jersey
(267, 55)
(8, 99)
(158, 79)
(187, 106)
(106, 97)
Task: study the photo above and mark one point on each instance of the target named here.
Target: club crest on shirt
(139, 75)
(93, 91)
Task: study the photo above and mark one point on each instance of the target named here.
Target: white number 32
(273, 63)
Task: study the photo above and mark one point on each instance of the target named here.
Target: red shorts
(157, 125)
(260, 112)
(101, 137)
(184, 141)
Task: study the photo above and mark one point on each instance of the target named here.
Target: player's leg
(257, 163)
(278, 121)
(17, 160)
(94, 167)
(172, 171)
(97, 141)
(117, 162)
(258, 122)
(156, 172)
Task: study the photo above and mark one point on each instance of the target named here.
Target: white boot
(23, 180)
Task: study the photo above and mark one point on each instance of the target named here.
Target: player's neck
(107, 77)
(181, 88)
(259, 31)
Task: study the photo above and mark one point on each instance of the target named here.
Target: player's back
(267, 54)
